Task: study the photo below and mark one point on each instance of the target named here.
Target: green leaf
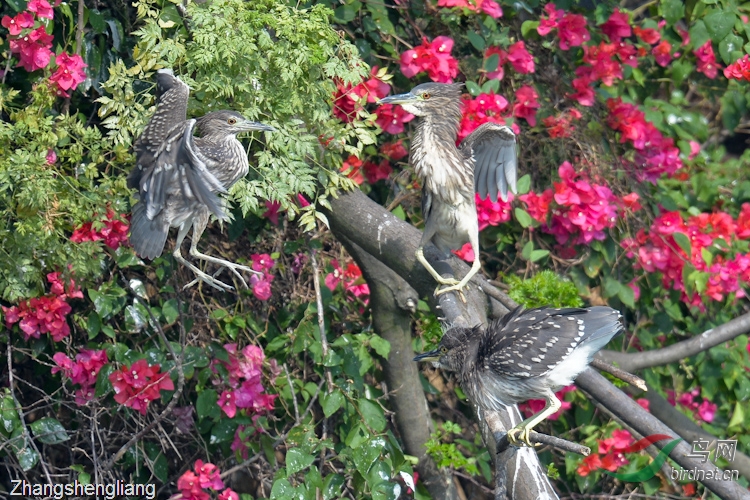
(524, 184)
(331, 402)
(96, 20)
(476, 40)
(27, 458)
(49, 431)
(681, 69)
(223, 432)
(538, 254)
(699, 34)
(491, 86)
(738, 417)
(523, 217)
(611, 287)
(381, 346)
(296, 461)
(206, 406)
(593, 265)
(169, 310)
(491, 63)
(527, 249)
(93, 325)
(719, 24)
(372, 414)
(673, 10)
(684, 242)
(708, 257)
(627, 296)
(730, 48)
(473, 88)
(529, 27)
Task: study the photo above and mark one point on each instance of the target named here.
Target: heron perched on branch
(525, 355)
(178, 176)
(484, 163)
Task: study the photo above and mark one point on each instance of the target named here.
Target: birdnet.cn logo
(725, 448)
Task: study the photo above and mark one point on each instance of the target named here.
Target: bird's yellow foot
(523, 439)
(455, 287)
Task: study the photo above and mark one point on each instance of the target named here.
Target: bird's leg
(200, 275)
(199, 225)
(431, 270)
(475, 267)
(551, 407)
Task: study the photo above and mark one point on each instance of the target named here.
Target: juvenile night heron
(485, 163)
(525, 355)
(178, 175)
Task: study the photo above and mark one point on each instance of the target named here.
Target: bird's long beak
(399, 99)
(248, 125)
(428, 356)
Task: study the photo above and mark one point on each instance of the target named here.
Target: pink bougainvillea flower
(228, 494)
(707, 60)
(648, 35)
(16, 24)
(434, 58)
(41, 8)
(261, 286)
(739, 69)
(493, 213)
(114, 232)
(617, 26)
(572, 31)
(482, 109)
(136, 386)
(33, 50)
(591, 463)
(534, 406)
(465, 252)
(394, 151)
(392, 118)
(520, 58)
(377, 171)
(489, 7)
(526, 104)
(82, 371)
(349, 99)
(351, 278)
(662, 53)
(352, 168)
(69, 73)
(561, 125)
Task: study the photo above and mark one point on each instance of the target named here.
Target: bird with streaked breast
(178, 176)
(484, 163)
(527, 354)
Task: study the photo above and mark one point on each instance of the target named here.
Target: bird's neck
(436, 159)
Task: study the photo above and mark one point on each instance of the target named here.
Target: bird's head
(451, 351)
(428, 98)
(224, 123)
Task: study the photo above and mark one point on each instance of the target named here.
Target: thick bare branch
(638, 361)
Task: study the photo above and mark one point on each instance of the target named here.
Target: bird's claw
(455, 287)
(523, 439)
(211, 281)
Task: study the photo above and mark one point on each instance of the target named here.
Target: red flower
(375, 172)
(82, 371)
(572, 31)
(590, 464)
(261, 286)
(352, 168)
(493, 213)
(351, 278)
(644, 403)
(526, 104)
(33, 49)
(69, 72)
(739, 69)
(534, 406)
(551, 21)
(617, 26)
(348, 99)
(392, 118)
(136, 386)
(648, 35)
(662, 53)
(582, 84)
(40, 7)
(228, 494)
(15, 25)
(394, 150)
(434, 58)
(519, 57)
(538, 205)
(190, 488)
(465, 252)
(630, 201)
(482, 109)
(561, 126)
(272, 211)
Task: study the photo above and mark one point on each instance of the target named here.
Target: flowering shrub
(114, 231)
(82, 371)
(242, 386)
(193, 484)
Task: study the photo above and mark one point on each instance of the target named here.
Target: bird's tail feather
(602, 324)
(147, 236)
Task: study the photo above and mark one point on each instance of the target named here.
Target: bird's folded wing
(493, 148)
(171, 112)
(176, 161)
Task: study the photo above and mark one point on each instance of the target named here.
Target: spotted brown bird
(525, 355)
(484, 163)
(179, 176)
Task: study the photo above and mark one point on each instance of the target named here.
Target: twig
(294, 396)
(537, 438)
(321, 315)
(621, 374)
(175, 397)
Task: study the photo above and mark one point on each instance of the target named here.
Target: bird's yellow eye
(426, 95)
(232, 121)
(443, 350)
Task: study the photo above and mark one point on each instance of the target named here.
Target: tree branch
(639, 360)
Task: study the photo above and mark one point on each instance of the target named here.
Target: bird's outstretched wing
(530, 343)
(171, 112)
(493, 148)
(176, 162)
